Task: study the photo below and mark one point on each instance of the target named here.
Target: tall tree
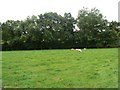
(91, 24)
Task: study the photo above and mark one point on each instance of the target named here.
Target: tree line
(52, 31)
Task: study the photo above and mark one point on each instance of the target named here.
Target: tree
(91, 23)
(115, 34)
(7, 34)
(68, 27)
(0, 37)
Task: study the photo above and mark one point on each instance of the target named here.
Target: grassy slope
(0, 69)
(93, 68)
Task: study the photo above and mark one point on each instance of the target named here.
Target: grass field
(93, 68)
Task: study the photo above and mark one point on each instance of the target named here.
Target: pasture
(93, 68)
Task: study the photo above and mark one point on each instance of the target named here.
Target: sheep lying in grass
(78, 50)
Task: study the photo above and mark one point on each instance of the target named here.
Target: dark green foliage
(95, 30)
(51, 31)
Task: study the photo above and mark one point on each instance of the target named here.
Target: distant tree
(115, 34)
(50, 26)
(0, 36)
(7, 33)
(68, 26)
(57, 30)
(91, 23)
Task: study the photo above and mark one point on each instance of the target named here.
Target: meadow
(93, 68)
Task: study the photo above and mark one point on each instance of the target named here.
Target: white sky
(20, 9)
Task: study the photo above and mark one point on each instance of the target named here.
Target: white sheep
(84, 48)
(78, 50)
(72, 49)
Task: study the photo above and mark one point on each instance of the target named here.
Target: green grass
(0, 69)
(93, 68)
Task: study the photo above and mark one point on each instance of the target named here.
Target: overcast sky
(20, 9)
